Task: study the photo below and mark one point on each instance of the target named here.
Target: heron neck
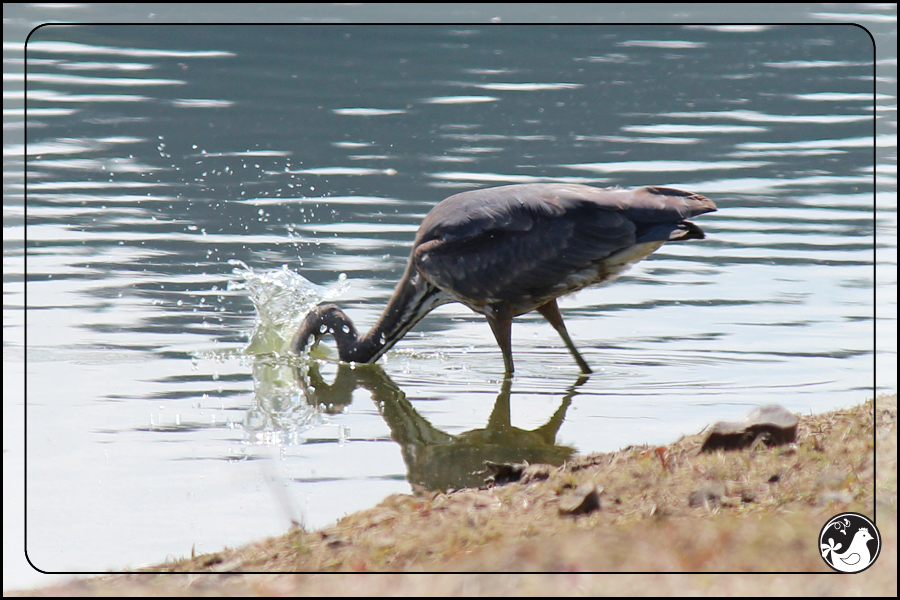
(413, 298)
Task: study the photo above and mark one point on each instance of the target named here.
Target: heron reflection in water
(509, 250)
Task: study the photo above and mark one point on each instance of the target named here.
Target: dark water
(157, 154)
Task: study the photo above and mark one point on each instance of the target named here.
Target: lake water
(157, 156)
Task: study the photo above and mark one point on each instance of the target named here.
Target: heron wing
(513, 243)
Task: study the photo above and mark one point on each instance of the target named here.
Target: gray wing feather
(512, 242)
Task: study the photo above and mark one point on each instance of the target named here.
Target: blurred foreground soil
(677, 517)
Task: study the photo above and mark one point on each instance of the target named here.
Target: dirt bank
(642, 509)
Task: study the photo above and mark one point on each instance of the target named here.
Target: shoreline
(662, 509)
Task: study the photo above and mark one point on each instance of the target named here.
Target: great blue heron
(508, 250)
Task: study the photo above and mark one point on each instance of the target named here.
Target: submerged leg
(551, 312)
(501, 324)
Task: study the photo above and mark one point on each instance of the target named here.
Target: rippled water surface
(156, 155)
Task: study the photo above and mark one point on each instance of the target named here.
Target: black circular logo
(849, 543)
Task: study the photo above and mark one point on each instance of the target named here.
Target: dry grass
(666, 509)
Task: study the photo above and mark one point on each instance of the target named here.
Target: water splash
(282, 299)
(281, 413)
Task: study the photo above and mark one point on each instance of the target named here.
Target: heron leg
(550, 311)
(500, 321)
